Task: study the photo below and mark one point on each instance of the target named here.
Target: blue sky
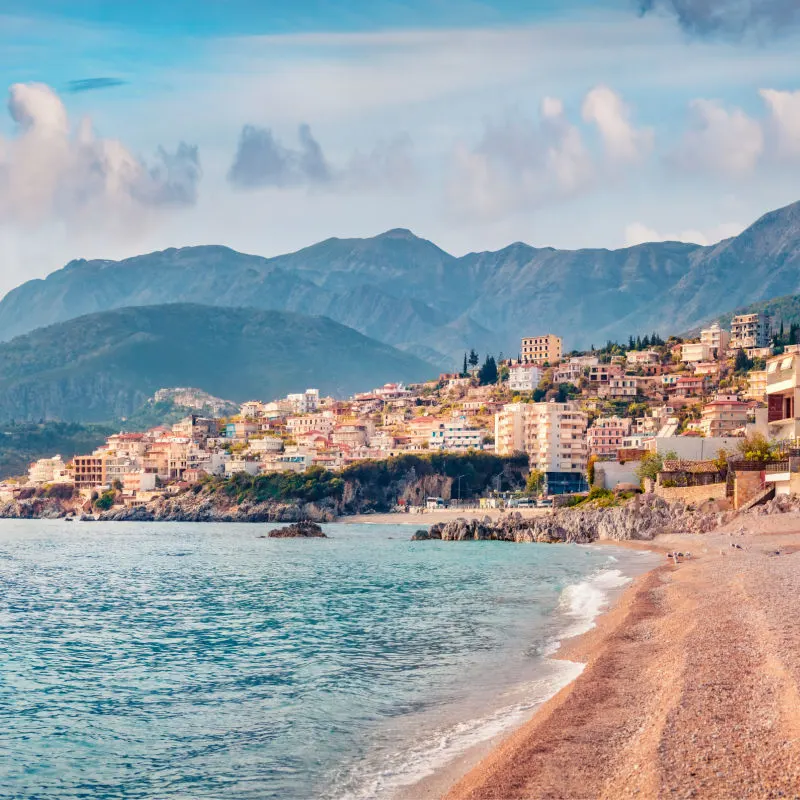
(267, 126)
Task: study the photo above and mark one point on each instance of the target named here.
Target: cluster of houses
(607, 409)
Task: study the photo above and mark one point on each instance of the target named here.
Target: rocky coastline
(644, 517)
(297, 530)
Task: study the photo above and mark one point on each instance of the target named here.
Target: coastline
(567, 653)
(691, 684)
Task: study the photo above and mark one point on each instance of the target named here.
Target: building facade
(541, 349)
(524, 377)
(749, 331)
(783, 397)
(607, 435)
(725, 415)
(553, 435)
(716, 338)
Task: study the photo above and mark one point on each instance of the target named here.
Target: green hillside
(104, 366)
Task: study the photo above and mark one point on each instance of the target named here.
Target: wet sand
(691, 686)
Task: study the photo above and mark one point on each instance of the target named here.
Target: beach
(690, 687)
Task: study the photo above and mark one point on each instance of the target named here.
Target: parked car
(545, 502)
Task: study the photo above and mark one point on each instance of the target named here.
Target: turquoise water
(200, 661)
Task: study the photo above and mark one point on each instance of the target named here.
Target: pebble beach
(691, 684)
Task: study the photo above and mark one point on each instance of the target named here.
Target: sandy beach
(691, 686)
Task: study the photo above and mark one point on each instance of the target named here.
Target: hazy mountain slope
(406, 291)
(104, 366)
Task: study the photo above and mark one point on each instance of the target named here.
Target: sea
(177, 661)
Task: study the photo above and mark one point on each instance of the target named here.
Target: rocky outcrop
(781, 504)
(190, 507)
(641, 519)
(303, 530)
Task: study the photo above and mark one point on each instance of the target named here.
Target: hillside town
(584, 419)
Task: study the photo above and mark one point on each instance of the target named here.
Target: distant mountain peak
(398, 233)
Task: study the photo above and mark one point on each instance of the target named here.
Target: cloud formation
(50, 170)
(522, 163)
(90, 84)
(783, 125)
(606, 109)
(719, 141)
(262, 161)
(731, 17)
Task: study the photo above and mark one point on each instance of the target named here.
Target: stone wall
(748, 485)
(691, 494)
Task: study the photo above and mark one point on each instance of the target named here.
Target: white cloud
(520, 163)
(783, 124)
(727, 143)
(638, 233)
(606, 109)
(50, 171)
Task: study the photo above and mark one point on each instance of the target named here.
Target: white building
(304, 403)
(455, 435)
(524, 377)
(716, 338)
(234, 465)
(696, 352)
(48, 470)
(552, 434)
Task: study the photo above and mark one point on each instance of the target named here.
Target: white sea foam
(583, 602)
(385, 777)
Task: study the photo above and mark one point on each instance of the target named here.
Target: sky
(268, 126)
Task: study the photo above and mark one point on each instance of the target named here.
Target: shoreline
(449, 773)
(665, 704)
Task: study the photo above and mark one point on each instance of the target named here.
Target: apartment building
(622, 388)
(553, 435)
(607, 435)
(455, 435)
(90, 471)
(757, 385)
(541, 349)
(305, 402)
(749, 331)
(716, 338)
(49, 470)
(725, 415)
(642, 358)
(524, 377)
(783, 397)
(696, 352)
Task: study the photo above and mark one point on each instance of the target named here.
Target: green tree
(756, 447)
(105, 501)
(649, 467)
(534, 482)
(465, 371)
(473, 358)
(742, 363)
(487, 374)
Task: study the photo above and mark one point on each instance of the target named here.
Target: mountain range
(104, 366)
(409, 293)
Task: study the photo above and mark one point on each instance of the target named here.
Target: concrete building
(541, 349)
(524, 377)
(716, 338)
(725, 415)
(783, 397)
(304, 403)
(696, 352)
(623, 388)
(757, 385)
(607, 435)
(90, 471)
(642, 358)
(749, 331)
(48, 470)
(553, 435)
(455, 435)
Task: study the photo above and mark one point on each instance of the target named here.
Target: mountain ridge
(409, 293)
(104, 366)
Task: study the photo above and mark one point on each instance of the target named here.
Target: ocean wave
(583, 602)
(388, 774)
